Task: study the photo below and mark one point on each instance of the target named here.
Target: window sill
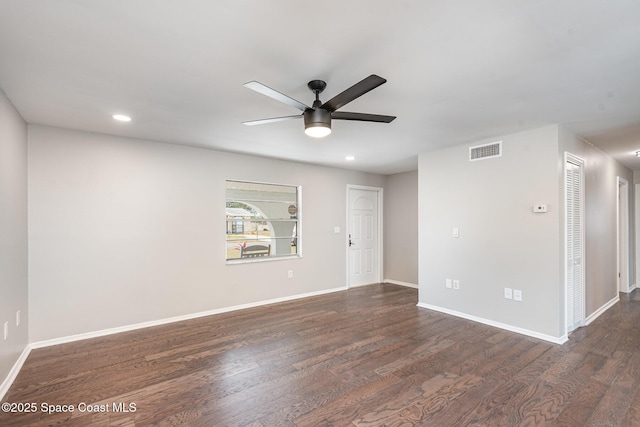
(261, 259)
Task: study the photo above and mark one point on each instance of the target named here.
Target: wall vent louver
(485, 151)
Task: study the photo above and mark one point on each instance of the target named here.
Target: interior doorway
(636, 222)
(623, 236)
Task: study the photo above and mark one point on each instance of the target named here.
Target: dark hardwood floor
(363, 357)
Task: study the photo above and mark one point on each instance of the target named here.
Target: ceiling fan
(317, 118)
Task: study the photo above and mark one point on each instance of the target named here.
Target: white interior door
(363, 236)
(575, 289)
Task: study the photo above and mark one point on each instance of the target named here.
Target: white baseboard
(126, 328)
(13, 373)
(593, 316)
(397, 282)
(363, 284)
(511, 328)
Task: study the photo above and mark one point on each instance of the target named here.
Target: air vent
(486, 151)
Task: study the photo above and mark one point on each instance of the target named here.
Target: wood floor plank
(612, 368)
(630, 373)
(396, 408)
(367, 357)
(582, 405)
(612, 409)
(346, 406)
(632, 418)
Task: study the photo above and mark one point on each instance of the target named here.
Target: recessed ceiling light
(350, 158)
(121, 118)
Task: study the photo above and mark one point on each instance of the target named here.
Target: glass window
(263, 220)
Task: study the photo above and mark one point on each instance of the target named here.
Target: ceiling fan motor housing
(317, 117)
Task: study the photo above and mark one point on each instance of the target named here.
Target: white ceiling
(458, 71)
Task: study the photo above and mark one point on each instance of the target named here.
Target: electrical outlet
(447, 283)
(6, 330)
(508, 293)
(290, 274)
(336, 230)
(456, 284)
(517, 295)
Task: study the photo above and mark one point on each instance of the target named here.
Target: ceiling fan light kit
(317, 123)
(317, 119)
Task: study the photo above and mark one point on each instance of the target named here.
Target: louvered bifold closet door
(575, 242)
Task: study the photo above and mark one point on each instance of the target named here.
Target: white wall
(401, 228)
(13, 234)
(502, 242)
(124, 231)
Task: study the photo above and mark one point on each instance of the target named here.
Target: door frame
(571, 158)
(636, 223)
(380, 230)
(622, 235)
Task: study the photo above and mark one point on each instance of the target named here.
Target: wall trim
(364, 284)
(398, 282)
(631, 289)
(15, 370)
(593, 316)
(511, 328)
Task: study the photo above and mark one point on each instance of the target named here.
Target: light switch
(455, 232)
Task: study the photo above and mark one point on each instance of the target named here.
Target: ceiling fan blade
(363, 117)
(353, 92)
(271, 93)
(272, 120)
